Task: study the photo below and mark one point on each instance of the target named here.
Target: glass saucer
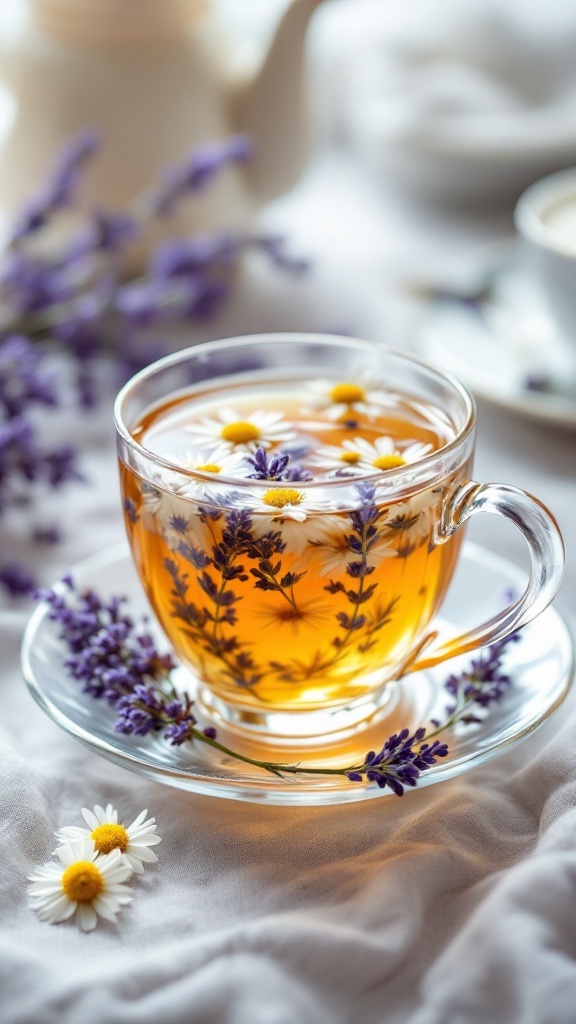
(541, 667)
(496, 335)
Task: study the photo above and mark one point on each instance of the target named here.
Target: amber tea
(284, 564)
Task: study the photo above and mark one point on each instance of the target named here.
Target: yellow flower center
(280, 496)
(82, 881)
(389, 462)
(351, 458)
(240, 432)
(347, 393)
(110, 837)
(210, 467)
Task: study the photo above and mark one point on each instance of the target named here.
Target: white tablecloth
(453, 905)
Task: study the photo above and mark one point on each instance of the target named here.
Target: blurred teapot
(154, 77)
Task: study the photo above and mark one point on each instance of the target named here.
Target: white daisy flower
(342, 400)
(337, 458)
(85, 883)
(260, 429)
(333, 547)
(107, 834)
(177, 519)
(219, 461)
(383, 453)
(287, 509)
(414, 519)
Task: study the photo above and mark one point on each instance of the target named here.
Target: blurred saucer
(499, 339)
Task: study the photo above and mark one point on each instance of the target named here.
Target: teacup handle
(546, 565)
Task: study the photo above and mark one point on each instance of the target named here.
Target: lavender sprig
(59, 190)
(482, 684)
(85, 297)
(25, 386)
(276, 467)
(116, 662)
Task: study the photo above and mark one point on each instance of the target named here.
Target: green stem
(270, 766)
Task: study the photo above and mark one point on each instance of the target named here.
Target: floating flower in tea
(261, 428)
(341, 400)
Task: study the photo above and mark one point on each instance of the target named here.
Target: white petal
(45, 890)
(142, 830)
(73, 851)
(90, 819)
(47, 900)
(46, 873)
(116, 872)
(145, 854)
(62, 908)
(71, 834)
(138, 821)
(46, 914)
(87, 918)
(120, 891)
(111, 815)
(135, 863)
(106, 910)
(100, 815)
(145, 840)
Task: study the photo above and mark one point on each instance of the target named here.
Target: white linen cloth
(453, 905)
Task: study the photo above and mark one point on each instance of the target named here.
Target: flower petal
(87, 917)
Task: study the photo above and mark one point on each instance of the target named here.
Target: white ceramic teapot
(154, 77)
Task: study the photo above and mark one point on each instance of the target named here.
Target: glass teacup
(293, 504)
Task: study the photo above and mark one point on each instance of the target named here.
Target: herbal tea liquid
(270, 590)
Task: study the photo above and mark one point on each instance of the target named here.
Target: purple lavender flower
(483, 683)
(105, 232)
(22, 382)
(16, 579)
(189, 257)
(107, 655)
(203, 164)
(267, 468)
(141, 302)
(400, 762)
(59, 190)
(32, 284)
(275, 468)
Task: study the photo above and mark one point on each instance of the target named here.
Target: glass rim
(296, 337)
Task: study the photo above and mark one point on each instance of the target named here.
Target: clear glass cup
(295, 601)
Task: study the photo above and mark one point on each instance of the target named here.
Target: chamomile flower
(383, 453)
(333, 550)
(345, 399)
(413, 519)
(176, 517)
(84, 884)
(219, 461)
(108, 834)
(260, 429)
(287, 509)
(337, 458)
